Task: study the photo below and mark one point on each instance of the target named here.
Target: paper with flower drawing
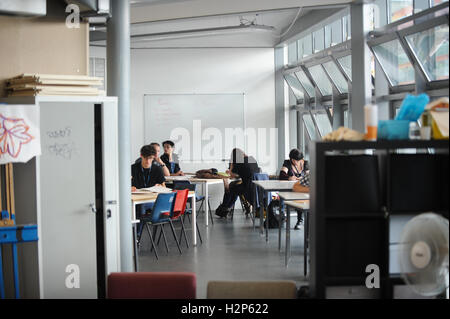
(19, 133)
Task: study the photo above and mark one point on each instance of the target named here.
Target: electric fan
(424, 254)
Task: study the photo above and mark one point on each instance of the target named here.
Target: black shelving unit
(352, 197)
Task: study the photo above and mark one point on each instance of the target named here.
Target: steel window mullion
(380, 40)
(429, 24)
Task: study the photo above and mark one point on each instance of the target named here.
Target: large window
(395, 63)
(346, 27)
(309, 124)
(323, 123)
(295, 86)
(306, 83)
(431, 48)
(292, 53)
(321, 79)
(319, 40)
(398, 9)
(337, 77)
(346, 64)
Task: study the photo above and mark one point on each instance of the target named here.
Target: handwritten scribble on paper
(13, 134)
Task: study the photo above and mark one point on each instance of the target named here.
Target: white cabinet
(71, 192)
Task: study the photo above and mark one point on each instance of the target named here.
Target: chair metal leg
(151, 239)
(200, 207)
(189, 218)
(199, 235)
(165, 239)
(184, 232)
(159, 237)
(175, 236)
(210, 213)
(155, 231)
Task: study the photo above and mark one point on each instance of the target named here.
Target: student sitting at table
(170, 159)
(146, 174)
(241, 166)
(157, 161)
(296, 169)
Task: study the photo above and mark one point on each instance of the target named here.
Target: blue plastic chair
(161, 215)
(180, 185)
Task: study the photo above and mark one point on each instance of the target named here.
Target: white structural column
(361, 61)
(118, 64)
(280, 105)
(381, 81)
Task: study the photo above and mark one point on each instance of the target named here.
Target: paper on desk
(156, 189)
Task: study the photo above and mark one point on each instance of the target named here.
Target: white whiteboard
(207, 120)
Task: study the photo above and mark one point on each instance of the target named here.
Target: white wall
(206, 70)
(186, 71)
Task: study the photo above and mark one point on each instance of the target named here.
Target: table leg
(206, 203)
(305, 245)
(280, 224)
(133, 216)
(194, 220)
(267, 221)
(287, 253)
(261, 210)
(136, 260)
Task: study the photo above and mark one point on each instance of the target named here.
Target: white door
(66, 221)
(111, 187)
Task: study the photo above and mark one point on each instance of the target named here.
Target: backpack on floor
(274, 214)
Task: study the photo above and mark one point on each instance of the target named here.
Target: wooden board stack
(51, 84)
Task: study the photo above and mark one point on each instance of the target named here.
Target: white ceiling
(162, 21)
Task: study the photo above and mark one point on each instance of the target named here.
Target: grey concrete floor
(231, 250)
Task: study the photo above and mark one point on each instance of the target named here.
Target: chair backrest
(164, 203)
(284, 289)
(180, 202)
(152, 285)
(180, 185)
(260, 177)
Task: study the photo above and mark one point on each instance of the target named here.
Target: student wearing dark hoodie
(296, 169)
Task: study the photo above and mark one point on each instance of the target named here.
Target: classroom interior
(210, 75)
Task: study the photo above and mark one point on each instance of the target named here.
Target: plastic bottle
(371, 121)
(414, 131)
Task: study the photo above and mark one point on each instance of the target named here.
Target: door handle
(108, 213)
(93, 209)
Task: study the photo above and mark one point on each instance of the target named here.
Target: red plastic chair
(152, 285)
(178, 210)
